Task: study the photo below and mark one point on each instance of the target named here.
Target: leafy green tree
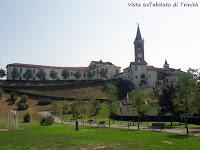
(15, 73)
(90, 75)
(156, 96)
(124, 87)
(187, 83)
(77, 75)
(103, 73)
(53, 74)
(137, 100)
(2, 73)
(76, 111)
(111, 92)
(65, 74)
(28, 74)
(41, 74)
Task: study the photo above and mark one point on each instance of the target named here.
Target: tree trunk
(180, 119)
(171, 117)
(109, 121)
(76, 125)
(133, 119)
(138, 122)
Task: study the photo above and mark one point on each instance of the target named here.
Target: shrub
(13, 98)
(44, 102)
(23, 99)
(1, 92)
(22, 106)
(45, 121)
(26, 118)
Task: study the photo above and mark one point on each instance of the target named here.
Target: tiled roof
(51, 67)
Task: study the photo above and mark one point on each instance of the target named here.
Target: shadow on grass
(178, 136)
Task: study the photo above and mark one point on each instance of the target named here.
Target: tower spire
(138, 35)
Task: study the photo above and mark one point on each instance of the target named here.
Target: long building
(96, 69)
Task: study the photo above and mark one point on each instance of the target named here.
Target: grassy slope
(74, 92)
(34, 136)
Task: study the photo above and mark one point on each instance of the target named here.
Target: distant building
(143, 75)
(95, 68)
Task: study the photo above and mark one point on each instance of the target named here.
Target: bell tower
(139, 47)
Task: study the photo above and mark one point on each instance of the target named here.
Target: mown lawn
(33, 136)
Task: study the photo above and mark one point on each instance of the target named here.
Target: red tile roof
(51, 67)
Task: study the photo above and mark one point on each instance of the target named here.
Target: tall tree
(167, 98)
(137, 100)
(65, 74)
(111, 92)
(77, 75)
(15, 73)
(41, 74)
(28, 74)
(2, 73)
(187, 83)
(53, 74)
(103, 73)
(76, 111)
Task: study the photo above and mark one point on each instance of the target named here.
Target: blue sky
(75, 32)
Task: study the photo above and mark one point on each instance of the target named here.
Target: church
(143, 75)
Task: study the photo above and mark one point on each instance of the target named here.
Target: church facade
(143, 75)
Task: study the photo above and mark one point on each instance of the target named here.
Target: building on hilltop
(95, 70)
(139, 72)
(143, 75)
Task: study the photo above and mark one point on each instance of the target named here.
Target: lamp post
(186, 112)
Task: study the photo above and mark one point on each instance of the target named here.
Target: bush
(1, 92)
(26, 118)
(45, 121)
(23, 99)
(13, 98)
(44, 102)
(22, 106)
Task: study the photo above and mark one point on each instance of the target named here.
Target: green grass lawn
(33, 136)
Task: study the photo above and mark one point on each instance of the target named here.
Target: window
(97, 72)
(135, 68)
(136, 76)
(84, 75)
(20, 70)
(116, 71)
(94, 73)
(139, 47)
(33, 71)
(149, 76)
(71, 73)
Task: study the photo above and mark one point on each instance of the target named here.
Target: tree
(76, 111)
(77, 75)
(156, 95)
(15, 73)
(2, 73)
(103, 73)
(166, 100)
(53, 74)
(111, 92)
(28, 74)
(65, 74)
(41, 74)
(90, 74)
(137, 99)
(187, 83)
(124, 87)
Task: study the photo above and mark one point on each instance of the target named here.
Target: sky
(75, 32)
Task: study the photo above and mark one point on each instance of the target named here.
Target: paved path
(181, 131)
